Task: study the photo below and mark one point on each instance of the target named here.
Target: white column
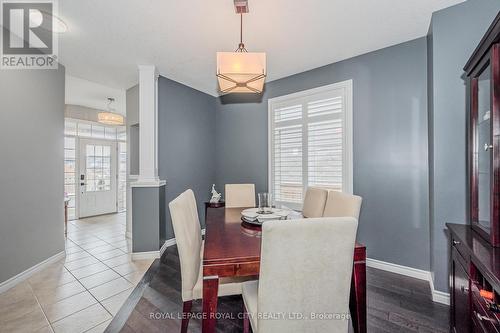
(148, 127)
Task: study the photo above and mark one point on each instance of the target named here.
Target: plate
(268, 217)
(255, 222)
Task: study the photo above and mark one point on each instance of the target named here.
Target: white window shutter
(310, 142)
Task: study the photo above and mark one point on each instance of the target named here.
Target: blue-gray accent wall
(148, 214)
(453, 35)
(186, 143)
(390, 144)
(31, 168)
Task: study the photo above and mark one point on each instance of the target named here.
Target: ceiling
(107, 39)
(93, 95)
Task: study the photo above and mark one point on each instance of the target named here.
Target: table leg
(210, 291)
(357, 302)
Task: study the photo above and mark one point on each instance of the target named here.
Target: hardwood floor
(395, 304)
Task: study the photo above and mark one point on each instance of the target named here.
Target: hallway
(82, 292)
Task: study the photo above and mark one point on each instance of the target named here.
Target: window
(70, 174)
(122, 176)
(98, 168)
(310, 142)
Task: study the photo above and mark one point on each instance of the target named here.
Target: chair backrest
(305, 268)
(187, 232)
(341, 204)
(314, 202)
(240, 195)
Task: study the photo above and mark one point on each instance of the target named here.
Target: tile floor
(83, 291)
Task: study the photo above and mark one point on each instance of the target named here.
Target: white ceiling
(93, 95)
(107, 39)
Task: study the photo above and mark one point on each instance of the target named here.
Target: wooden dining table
(232, 250)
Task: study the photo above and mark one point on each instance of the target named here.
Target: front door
(97, 178)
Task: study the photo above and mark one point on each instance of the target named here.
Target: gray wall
(31, 168)
(132, 101)
(186, 142)
(148, 214)
(453, 36)
(390, 145)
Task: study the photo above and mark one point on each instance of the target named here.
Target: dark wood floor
(395, 304)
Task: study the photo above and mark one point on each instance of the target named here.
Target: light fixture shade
(110, 118)
(241, 72)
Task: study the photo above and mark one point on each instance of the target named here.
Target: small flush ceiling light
(241, 71)
(110, 117)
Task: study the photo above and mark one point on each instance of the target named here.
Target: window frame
(347, 127)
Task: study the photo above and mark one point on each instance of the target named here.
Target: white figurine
(215, 195)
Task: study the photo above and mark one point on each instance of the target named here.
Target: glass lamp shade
(241, 72)
(110, 118)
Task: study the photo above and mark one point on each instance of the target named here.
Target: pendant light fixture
(110, 117)
(241, 71)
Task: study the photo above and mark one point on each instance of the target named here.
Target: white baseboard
(171, 241)
(145, 255)
(153, 254)
(168, 242)
(398, 269)
(13, 281)
(437, 296)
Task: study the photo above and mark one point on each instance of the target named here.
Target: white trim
(348, 143)
(145, 255)
(172, 241)
(13, 281)
(398, 269)
(151, 183)
(168, 243)
(347, 86)
(148, 119)
(153, 254)
(128, 234)
(437, 296)
(440, 297)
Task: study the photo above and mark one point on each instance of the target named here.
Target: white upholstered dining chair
(187, 232)
(314, 202)
(339, 204)
(305, 267)
(239, 195)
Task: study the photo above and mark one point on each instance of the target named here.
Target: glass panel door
(98, 175)
(484, 149)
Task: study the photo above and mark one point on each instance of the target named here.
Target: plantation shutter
(307, 144)
(325, 143)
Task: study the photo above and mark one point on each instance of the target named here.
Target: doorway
(97, 177)
(95, 168)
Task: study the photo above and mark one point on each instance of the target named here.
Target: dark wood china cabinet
(483, 72)
(475, 248)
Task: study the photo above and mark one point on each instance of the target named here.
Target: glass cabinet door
(484, 148)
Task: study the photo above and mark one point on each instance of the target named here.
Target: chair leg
(246, 320)
(186, 314)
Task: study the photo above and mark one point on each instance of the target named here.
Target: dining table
(232, 249)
